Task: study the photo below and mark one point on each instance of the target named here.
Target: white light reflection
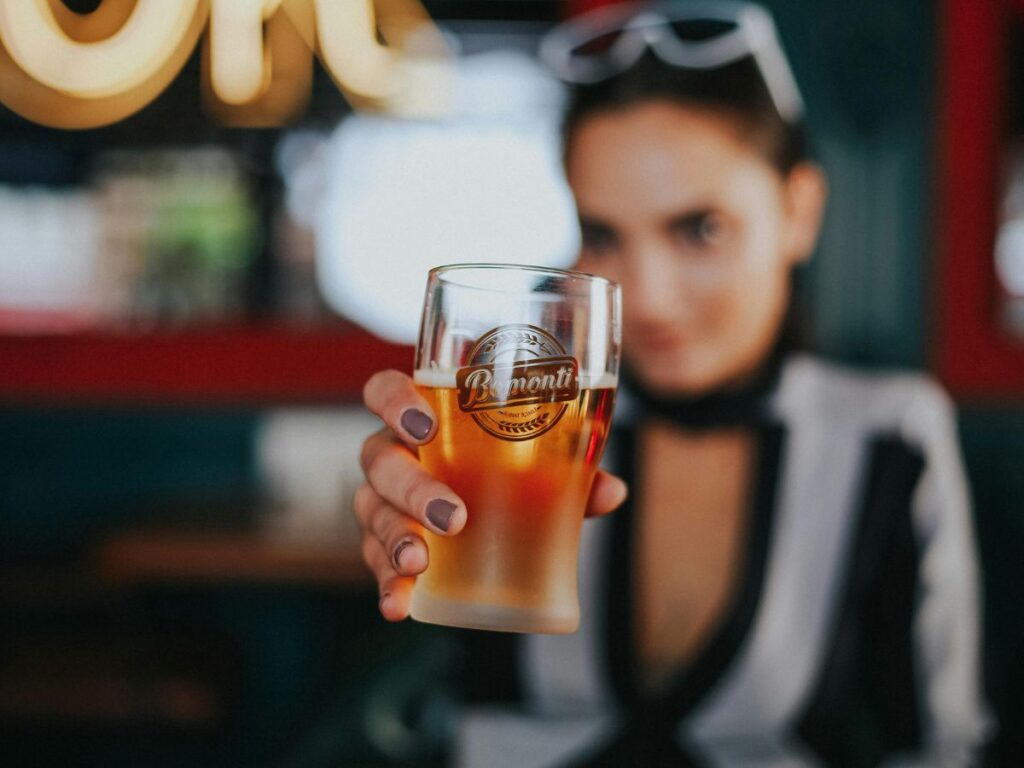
(1010, 256)
(485, 186)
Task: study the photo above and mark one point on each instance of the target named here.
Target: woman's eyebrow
(687, 216)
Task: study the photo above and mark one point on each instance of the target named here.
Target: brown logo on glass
(518, 383)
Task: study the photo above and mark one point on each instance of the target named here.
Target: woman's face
(700, 231)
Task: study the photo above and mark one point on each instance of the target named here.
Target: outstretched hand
(400, 499)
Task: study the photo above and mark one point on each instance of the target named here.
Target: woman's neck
(739, 403)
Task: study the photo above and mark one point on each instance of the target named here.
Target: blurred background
(189, 310)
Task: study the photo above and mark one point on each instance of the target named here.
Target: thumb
(606, 494)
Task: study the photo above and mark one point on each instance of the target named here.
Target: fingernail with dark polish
(398, 553)
(439, 513)
(416, 423)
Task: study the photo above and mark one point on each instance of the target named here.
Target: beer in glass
(520, 366)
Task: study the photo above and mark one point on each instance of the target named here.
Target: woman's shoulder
(903, 401)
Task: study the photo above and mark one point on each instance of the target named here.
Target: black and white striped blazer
(853, 636)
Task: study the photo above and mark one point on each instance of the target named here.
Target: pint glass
(520, 365)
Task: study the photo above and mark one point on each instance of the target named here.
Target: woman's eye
(597, 240)
(702, 229)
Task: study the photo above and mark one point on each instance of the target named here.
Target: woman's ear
(806, 190)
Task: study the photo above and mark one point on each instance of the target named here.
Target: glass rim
(576, 274)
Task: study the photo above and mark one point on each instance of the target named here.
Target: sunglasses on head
(599, 45)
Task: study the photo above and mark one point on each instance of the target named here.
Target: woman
(793, 581)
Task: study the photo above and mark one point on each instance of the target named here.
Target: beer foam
(434, 378)
(599, 381)
(438, 379)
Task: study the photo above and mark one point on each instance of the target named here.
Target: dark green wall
(867, 71)
(68, 476)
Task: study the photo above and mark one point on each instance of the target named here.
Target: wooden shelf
(235, 365)
(204, 557)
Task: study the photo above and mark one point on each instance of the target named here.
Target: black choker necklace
(743, 406)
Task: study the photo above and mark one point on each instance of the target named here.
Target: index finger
(392, 396)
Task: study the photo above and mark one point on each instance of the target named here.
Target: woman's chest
(689, 529)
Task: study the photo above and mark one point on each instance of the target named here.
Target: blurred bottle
(180, 230)
(300, 159)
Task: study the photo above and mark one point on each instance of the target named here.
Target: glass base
(431, 609)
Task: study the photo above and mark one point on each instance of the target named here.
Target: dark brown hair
(736, 91)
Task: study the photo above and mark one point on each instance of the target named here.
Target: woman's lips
(658, 343)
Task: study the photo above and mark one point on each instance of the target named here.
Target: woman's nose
(652, 292)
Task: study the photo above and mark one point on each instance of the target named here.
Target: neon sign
(67, 70)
